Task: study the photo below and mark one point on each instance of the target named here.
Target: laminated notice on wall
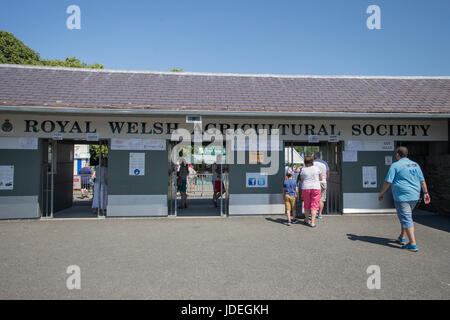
(137, 164)
(7, 177)
(28, 143)
(349, 156)
(138, 144)
(369, 175)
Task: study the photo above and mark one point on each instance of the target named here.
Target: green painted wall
(26, 171)
(155, 180)
(238, 177)
(352, 171)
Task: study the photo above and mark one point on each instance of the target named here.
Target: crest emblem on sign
(7, 126)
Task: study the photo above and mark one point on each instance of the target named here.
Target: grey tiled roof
(86, 88)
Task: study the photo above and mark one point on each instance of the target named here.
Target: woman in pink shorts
(311, 177)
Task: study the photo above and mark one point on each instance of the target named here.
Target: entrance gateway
(39, 191)
(66, 193)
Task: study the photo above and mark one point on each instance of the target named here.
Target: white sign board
(313, 139)
(138, 144)
(154, 144)
(388, 160)
(92, 136)
(333, 138)
(18, 143)
(58, 136)
(349, 156)
(367, 145)
(256, 180)
(369, 177)
(7, 177)
(137, 164)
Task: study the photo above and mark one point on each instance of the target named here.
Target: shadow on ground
(435, 222)
(375, 240)
(284, 221)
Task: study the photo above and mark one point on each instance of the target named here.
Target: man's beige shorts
(323, 192)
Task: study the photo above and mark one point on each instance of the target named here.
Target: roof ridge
(255, 75)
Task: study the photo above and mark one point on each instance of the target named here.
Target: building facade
(355, 122)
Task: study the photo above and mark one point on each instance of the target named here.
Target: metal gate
(332, 154)
(200, 186)
(48, 165)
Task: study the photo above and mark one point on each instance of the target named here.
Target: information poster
(28, 143)
(358, 145)
(137, 164)
(369, 175)
(7, 177)
(349, 156)
(138, 144)
(256, 180)
(313, 139)
(388, 160)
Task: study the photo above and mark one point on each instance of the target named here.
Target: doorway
(331, 152)
(73, 179)
(207, 182)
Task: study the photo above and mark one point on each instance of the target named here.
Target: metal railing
(200, 185)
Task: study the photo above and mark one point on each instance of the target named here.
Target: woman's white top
(311, 179)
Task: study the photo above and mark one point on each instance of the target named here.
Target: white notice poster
(369, 175)
(137, 164)
(313, 139)
(7, 177)
(154, 144)
(354, 145)
(349, 156)
(28, 143)
(120, 144)
(388, 160)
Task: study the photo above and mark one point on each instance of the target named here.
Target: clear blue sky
(322, 37)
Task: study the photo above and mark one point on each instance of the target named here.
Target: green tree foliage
(94, 151)
(176, 70)
(14, 51)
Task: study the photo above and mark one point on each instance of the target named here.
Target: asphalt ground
(223, 258)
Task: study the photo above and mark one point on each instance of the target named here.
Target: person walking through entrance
(182, 183)
(406, 179)
(86, 176)
(325, 169)
(100, 199)
(310, 177)
(219, 187)
(290, 192)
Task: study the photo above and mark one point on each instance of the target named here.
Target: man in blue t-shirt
(406, 179)
(86, 175)
(290, 192)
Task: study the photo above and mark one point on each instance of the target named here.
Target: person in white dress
(100, 199)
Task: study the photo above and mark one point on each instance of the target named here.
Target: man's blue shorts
(404, 212)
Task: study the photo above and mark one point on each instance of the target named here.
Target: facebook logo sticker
(256, 180)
